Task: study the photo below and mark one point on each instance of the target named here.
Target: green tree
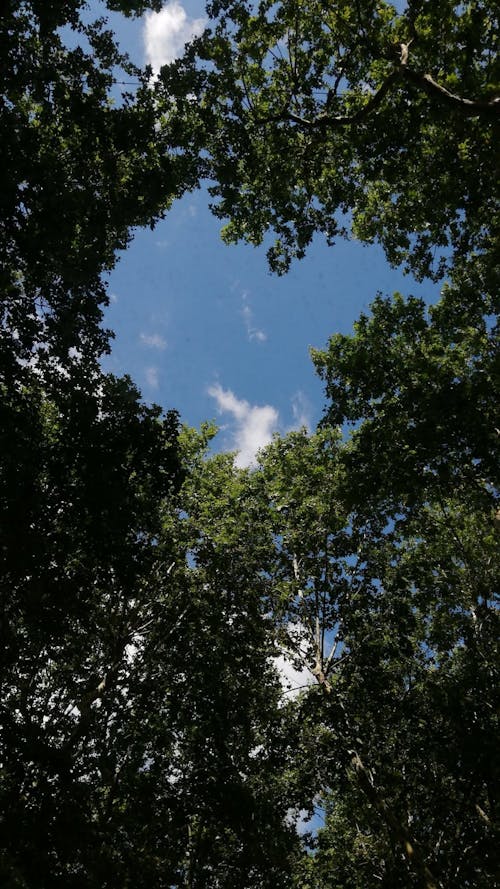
(424, 382)
(380, 121)
(83, 471)
(82, 160)
(231, 732)
(385, 586)
(367, 116)
(141, 737)
(145, 588)
(138, 700)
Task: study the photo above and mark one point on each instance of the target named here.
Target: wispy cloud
(254, 425)
(152, 377)
(166, 33)
(153, 340)
(301, 410)
(253, 332)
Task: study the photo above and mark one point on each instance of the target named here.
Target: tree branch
(466, 107)
(398, 831)
(425, 82)
(329, 120)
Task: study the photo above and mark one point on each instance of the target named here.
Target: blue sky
(205, 328)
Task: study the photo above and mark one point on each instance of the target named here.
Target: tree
(425, 384)
(232, 743)
(386, 558)
(80, 457)
(139, 725)
(82, 160)
(136, 689)
(84, 467)
(146, 588)
(366, 116)
(380, 121)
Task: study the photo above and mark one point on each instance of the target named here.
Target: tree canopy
(149, 590)
(82, 162)
(370, 117)
(126, 757)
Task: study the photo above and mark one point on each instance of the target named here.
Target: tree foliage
(136, 688)
(82, 161)
(371, 117)
(149, 590)
(83, 464)
(390, 552)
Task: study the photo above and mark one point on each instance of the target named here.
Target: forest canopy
(149, 587)
(370, 117)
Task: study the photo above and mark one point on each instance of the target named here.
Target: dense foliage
(125, 755)
(405, 580)
(148, 591)
(81, 160)
(354, 115)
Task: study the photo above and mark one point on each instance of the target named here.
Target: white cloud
(153, 340)
(294, 678)
(301, 410)
(166, 33)
(254, 425)
(152, 377)
(298, 818)
(253, 332)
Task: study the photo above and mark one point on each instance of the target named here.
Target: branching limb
(424, 82)
(398, 831)
(466, 107)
